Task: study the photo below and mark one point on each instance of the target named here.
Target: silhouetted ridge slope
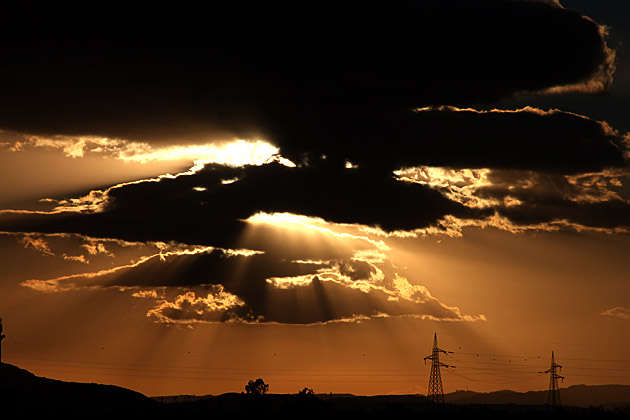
(24, 391)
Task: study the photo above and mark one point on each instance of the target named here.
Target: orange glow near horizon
(118, 344)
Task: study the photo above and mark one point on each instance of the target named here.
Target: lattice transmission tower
(436, 392)
(553, 397)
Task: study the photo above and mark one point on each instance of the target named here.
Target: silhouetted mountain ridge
(575, 395)
(23, 390)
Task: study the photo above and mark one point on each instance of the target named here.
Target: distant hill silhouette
(305, 406)
(609, 396)
(25, 392)
(347, 406)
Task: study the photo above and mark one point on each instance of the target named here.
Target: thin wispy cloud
(618, 312)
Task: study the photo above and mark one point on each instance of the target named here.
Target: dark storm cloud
(606, 215)
(340, 83)
(249, 69)
(529, 139)
(529, 185)
(173, 210)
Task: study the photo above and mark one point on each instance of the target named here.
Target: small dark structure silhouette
(306, 392)
(436, 392)
(553, 397)
(257, 387)
(2, 337)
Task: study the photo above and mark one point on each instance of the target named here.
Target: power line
(519, 356)
(467, 363)
(207, 378)
(138, 366)
(485, 383)
(386, 355)
(479, 337)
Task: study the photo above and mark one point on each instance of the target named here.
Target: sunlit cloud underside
(357, 288)
(235, 152)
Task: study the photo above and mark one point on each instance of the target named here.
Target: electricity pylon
(436, 393)
(553, 397)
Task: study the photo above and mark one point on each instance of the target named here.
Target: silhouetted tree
(306, 392)
(257, 387)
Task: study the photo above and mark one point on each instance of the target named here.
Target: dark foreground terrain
(24, 393)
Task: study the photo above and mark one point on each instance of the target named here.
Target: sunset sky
(307, 192)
